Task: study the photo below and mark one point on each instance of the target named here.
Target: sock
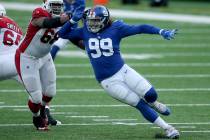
(47, 106)
(34, 108)
(46, 100)
(151, 95)
(54, 51)
(161, 123)
(148, 113)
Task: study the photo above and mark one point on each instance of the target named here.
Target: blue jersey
(103, 48)
(76, 7)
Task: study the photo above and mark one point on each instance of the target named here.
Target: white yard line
(101, 90)
(160, 16)
(128, 14)
(112, 120)
(194, 76)
(172, 64)
(79, 54)
(114, 123)
(87, 116)
(102, 106)
(21, 109)
(177, 45)
(63, 113)
(191, 127)
(196, 131)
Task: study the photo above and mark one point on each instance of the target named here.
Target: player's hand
(168, 34)
(64, 18)
(69, 13)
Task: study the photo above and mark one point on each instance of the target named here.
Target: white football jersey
(10, 34)
(37, 41)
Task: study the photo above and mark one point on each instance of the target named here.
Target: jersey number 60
(101, 47)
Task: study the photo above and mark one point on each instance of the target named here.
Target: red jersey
(10, 34)
(37, 41)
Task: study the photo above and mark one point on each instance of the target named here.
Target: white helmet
(2, 10)
(55, 7)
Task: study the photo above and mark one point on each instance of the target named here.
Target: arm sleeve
(52, 22)
(79, 10)
(128, 30)
(67, 32)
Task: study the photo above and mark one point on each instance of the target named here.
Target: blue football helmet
(97, 18)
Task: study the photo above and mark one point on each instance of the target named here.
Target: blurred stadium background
(179, 69)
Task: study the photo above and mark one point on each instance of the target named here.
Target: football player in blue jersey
(102, 38)
(76, 9)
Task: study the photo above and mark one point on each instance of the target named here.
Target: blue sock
(54, 51)
(151, 96)
(148, 113)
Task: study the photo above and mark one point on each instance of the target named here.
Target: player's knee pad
(50, 90)
(151, 95)
(61, 43)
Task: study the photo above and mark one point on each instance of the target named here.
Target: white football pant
(38, 76)
(126, 86)
(7, 63)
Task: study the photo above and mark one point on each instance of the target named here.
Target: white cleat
(58, 122)
(160, 108)
(172, 133)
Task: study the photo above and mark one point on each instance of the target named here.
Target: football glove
(168, 34)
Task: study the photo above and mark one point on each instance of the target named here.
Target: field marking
(83, 90)
(146, 75)
(159, 16)
(21, 109)
(63, 113)
(2, 103)
(177, 45)
(138, 56)
(141, 65)
(112, 120)
(191, 127)
(80, 54)
(196, 131)
(112, 123)
(87, 116)
(103, 106)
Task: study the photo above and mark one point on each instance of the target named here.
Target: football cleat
(51, 120)
(172, 133)
(160, 108)
(40, 123)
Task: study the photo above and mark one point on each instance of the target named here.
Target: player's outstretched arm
(166, 34)
(45, 22)
(128, 30)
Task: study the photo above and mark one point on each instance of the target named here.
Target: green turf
(194, 35)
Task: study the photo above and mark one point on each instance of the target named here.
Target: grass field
(178, 69)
